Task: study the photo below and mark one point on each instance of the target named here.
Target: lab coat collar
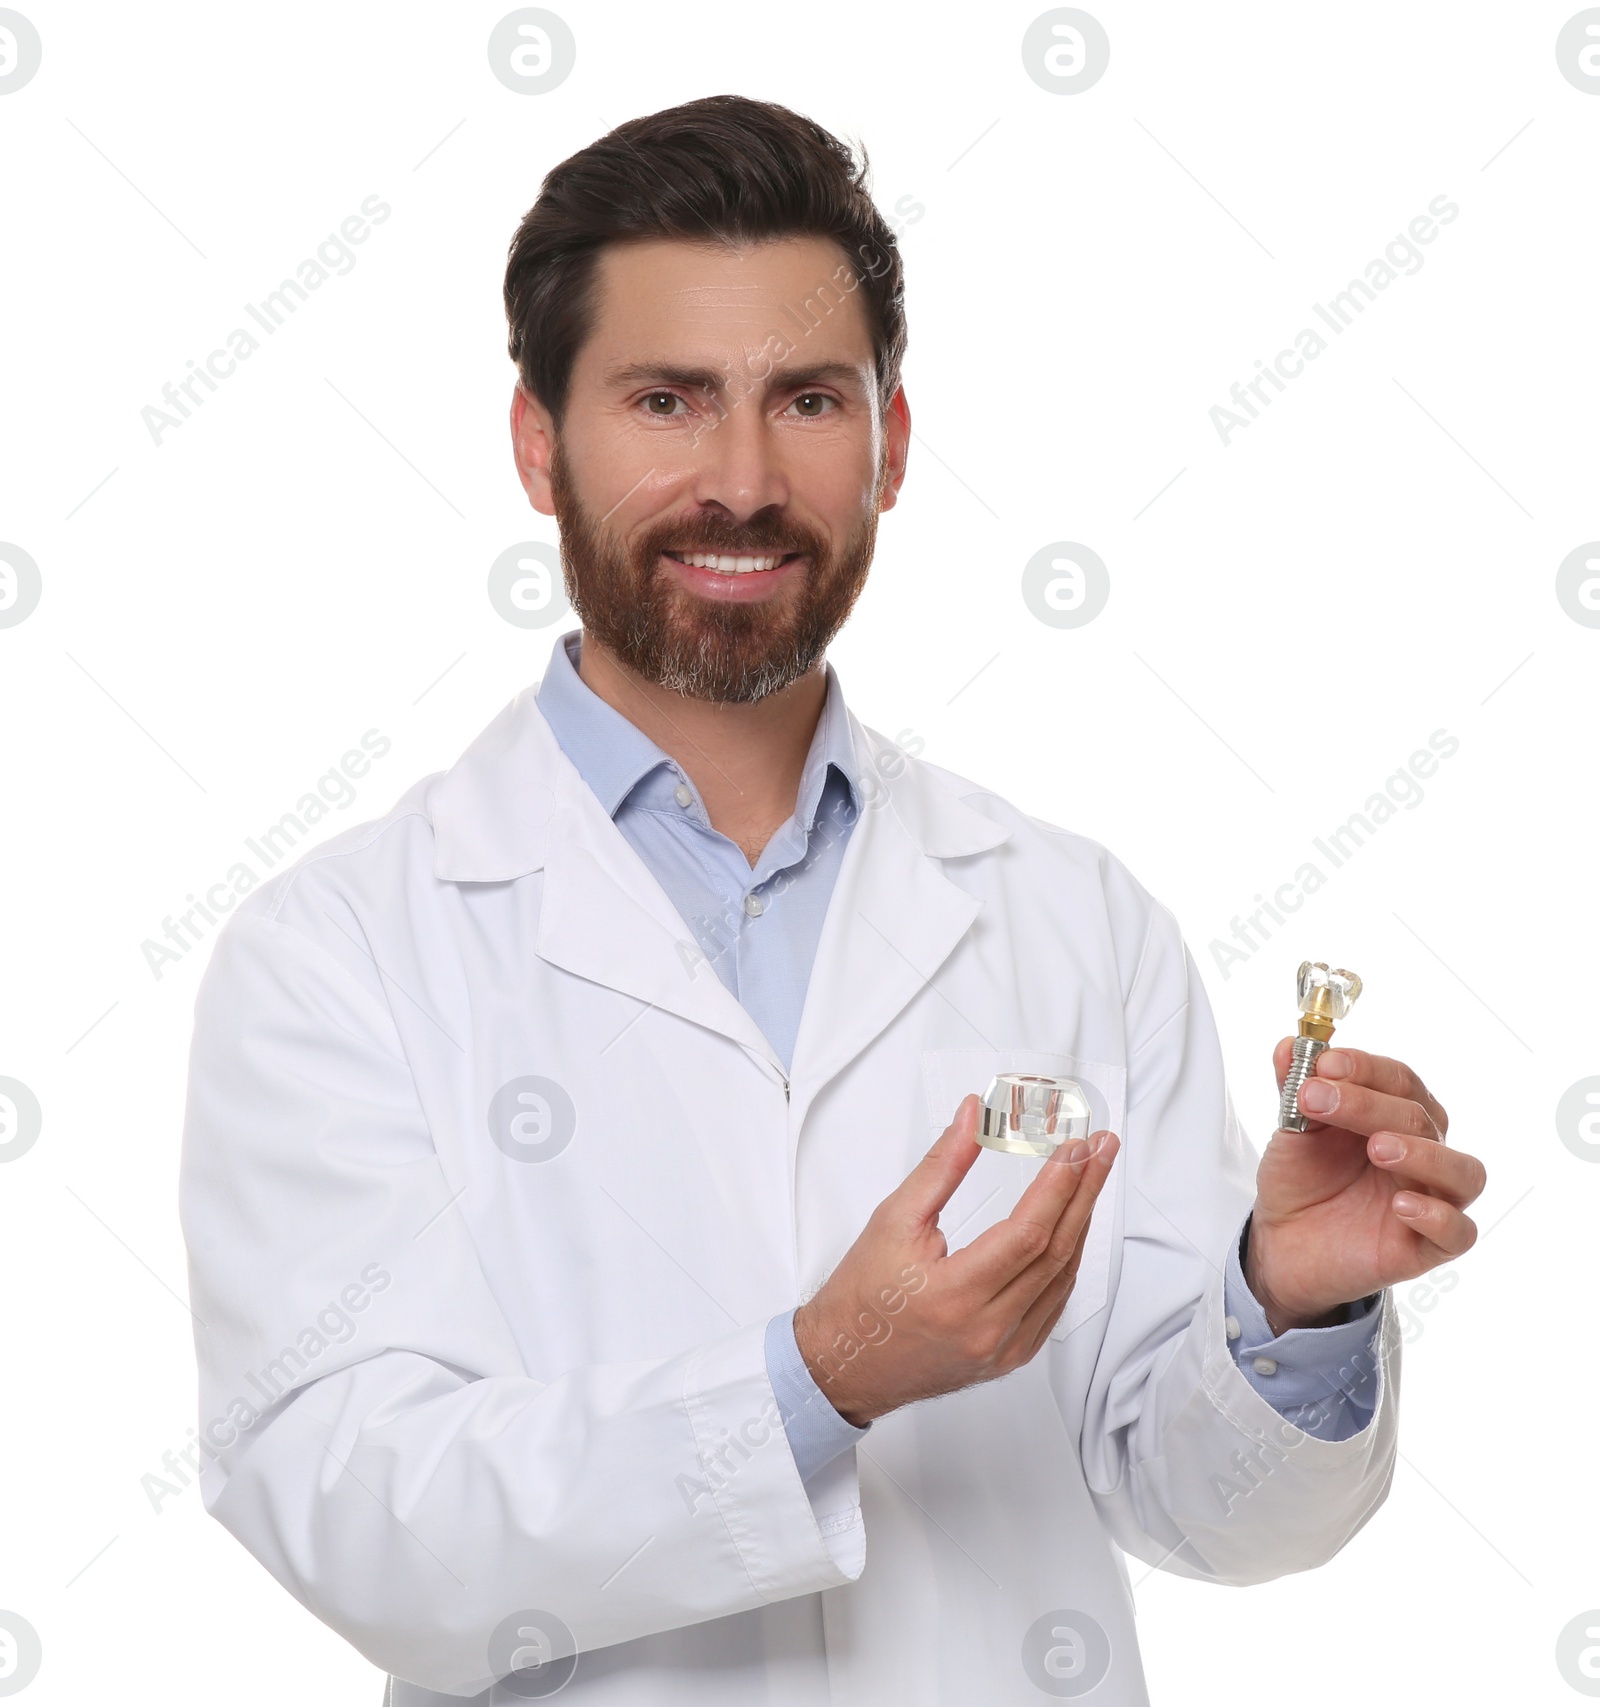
(514, 803)
(492, 810)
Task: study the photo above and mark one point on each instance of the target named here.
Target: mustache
(756, 537)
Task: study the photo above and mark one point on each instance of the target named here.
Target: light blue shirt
(759, 928)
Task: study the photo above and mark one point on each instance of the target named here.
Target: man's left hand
(1369, 1195)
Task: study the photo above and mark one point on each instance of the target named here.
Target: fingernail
(1334, 1064)
(1318, 1098)
(1386, 1147)
(1104, 1144)
(1407, 1205)
(1077, 1153)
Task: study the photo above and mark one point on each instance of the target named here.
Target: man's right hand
(901, 1319)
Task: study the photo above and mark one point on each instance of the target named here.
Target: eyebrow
(843, 374)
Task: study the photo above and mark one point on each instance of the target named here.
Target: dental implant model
(1326, 994)
(1026, 1114)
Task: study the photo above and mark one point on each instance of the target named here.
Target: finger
(1045, 1311)
(1381, 1073)
(1005, 1248)
(1066, 1236)
(1438, 1222)
(1432, 1167)
(1066, 1239)
(1059, 1181)
(1344, 1103)
(1017, 1258)
(932, 1182)
(1041, 1316)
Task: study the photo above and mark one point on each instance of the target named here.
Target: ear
(532, 441)
(897, 434)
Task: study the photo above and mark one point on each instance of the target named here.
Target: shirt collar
(831, 750)
(614, 756)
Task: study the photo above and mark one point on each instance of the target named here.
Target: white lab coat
(540, 1385)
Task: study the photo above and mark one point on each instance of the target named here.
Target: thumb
(931, 1183)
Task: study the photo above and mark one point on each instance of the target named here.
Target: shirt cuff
(1323, 1380)
(817, 1433)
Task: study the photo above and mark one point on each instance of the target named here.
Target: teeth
(728, 565)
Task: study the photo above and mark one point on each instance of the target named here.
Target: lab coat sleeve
(1190, 1467)
(374, 1439)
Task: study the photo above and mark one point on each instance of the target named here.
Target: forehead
(701, 300)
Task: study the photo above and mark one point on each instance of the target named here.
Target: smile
(722, 565)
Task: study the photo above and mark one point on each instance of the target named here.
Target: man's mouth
(720, 563)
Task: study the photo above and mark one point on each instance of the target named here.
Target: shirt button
(754, 905)
(1264, 1366)
(1230, 1326)
(682, 795)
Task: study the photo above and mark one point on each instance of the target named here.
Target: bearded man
(598, 1284)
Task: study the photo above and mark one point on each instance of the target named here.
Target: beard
(708, 649)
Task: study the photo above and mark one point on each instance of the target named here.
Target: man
(583, 1306)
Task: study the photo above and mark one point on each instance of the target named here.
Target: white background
(1373, 560)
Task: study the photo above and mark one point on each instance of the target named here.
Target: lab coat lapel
(514, 804)
(894, 917)
(604, 917)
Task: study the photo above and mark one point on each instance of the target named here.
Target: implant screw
(1306, 1051)
(1325, 994)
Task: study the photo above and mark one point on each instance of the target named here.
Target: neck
(745, 760)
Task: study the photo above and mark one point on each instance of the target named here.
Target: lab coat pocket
(990, 1191)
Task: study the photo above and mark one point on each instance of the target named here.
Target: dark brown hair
(723, 169)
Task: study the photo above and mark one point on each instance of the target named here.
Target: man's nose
(738, 465)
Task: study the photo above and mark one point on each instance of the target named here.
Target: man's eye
(662, 402)
(812, 403)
